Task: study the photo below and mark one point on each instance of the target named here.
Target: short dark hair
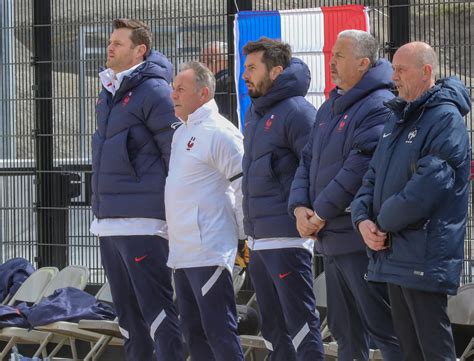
(141, 33)
(274, 52)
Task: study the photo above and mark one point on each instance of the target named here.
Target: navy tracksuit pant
(142, 293)
(283, 281)
(206, 304)
(358, 311)
(422, 324)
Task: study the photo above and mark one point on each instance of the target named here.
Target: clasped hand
(307, 223)
(373, 237)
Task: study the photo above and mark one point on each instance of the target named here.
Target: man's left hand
(318, 223)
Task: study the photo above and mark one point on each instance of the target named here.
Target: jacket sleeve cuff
(356, 221)
(356, 224)
(318, 217)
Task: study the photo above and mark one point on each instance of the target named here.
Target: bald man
(411, 209)
(214, 56)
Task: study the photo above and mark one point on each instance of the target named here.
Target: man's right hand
(373, 237)
(303, 225)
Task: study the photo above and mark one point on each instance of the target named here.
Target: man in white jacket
(203, 209)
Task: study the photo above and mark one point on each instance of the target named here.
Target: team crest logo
(126, 99)
(411, 136)
(268, 123)
(191, 143)
(342, 124)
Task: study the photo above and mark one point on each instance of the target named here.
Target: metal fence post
(50, 185)
(399, 25)
(7, 81)
(233, 6)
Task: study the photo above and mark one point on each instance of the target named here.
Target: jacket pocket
(183, 224)
(115, 158)
(409, 245)
(263, 178)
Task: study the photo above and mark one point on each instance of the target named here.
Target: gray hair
(365, 45)
(221, 46)
(204, 77)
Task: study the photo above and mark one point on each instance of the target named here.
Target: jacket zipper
(392, 145)
(246, 179)
(99, 161)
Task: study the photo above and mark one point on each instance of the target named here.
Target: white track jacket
(203, 197)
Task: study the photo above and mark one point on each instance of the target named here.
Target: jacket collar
(293, 81)
(377, 77)
(202, 114)
(406, 110)
(445, 91)
(156, 65)
(112, 81)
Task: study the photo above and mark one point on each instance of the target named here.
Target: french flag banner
(311, 33)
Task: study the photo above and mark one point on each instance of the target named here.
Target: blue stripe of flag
(251, 26)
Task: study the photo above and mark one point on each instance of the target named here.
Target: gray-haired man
(347, 128)
(204, 213)
(214, 56)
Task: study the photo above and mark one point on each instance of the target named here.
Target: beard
(261, 88)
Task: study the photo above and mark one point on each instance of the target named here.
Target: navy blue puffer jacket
(277, 126)
(131, 146)
(337, 155)
(417, 188)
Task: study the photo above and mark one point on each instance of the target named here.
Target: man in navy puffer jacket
(277, 126)
(347, 128)
(412, 206)
(131, 149)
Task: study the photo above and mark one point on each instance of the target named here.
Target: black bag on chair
(248, 320)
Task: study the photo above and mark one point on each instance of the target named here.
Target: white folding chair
(461, 312)
(319, 289)
(71, 276)
(32, 290)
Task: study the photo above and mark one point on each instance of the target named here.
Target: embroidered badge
(268, 123)
(411, 136)
(191, 143)
(126, 99)
(342, 124)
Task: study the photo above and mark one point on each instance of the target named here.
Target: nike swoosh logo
(139, 259)
(385, 135)
(284, 275)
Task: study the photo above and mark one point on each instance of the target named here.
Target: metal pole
(82, 97)
(232, 10)
(7, 79)
(399, 25)
(50, 186)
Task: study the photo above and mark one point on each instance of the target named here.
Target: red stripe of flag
(337, 19)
